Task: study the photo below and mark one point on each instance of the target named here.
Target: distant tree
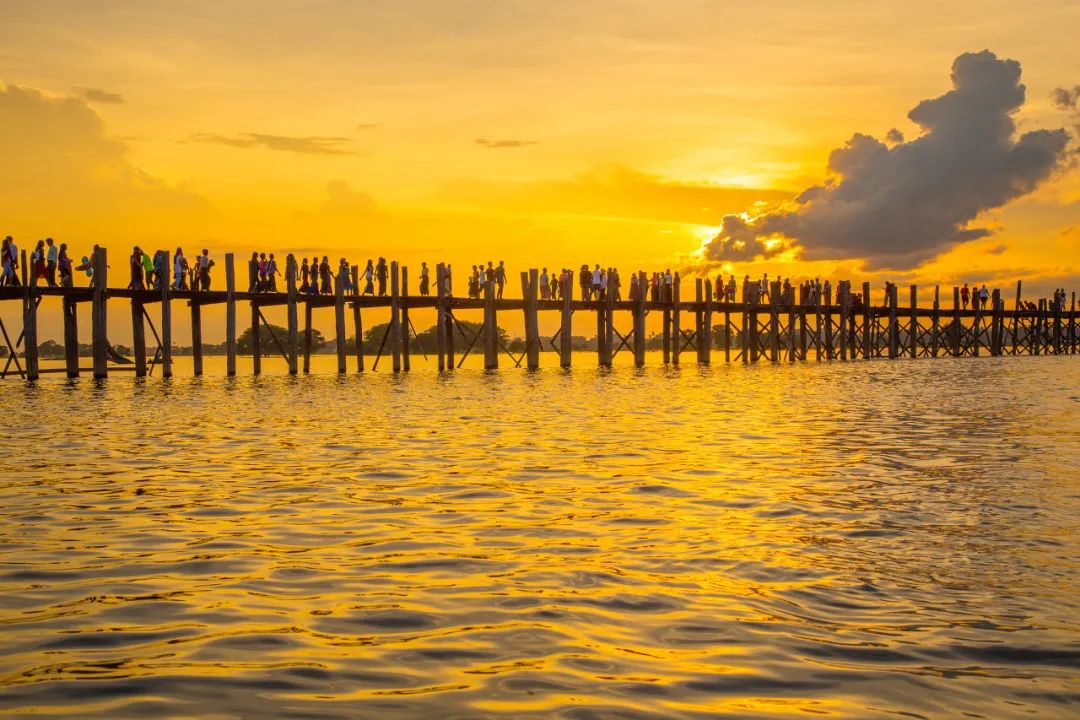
(266, 340)
(425, 340)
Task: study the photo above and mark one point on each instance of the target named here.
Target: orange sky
(538, 133)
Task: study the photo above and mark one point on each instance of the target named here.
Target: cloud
(367, 126)
(496, 144)
(1066, 99)
(97, 95)
(894, 136)
(311, 145)
(611, 191)
(343, 200)
(898, 206)
(64, 175)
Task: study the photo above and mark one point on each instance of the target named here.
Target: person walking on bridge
(369, 278)
(381, 273)
(425, 280)
(964, 295)
(136, 270)
(500, 279)
(205, 263)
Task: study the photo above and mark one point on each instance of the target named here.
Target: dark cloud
(897, 207)
(496, 144)
(97, 95)
(1066, 99)
(311, 145)
(894, 136)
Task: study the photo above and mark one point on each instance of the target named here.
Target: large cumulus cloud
(898, 206)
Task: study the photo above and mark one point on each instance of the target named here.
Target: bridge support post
(230, 315)
(71, 337)
(440, 314)
(566, 327)
(98, 314)
(166, 316)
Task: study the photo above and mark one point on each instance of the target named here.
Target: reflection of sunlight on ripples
(851, 539)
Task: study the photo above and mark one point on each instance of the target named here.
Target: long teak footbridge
(847, 327)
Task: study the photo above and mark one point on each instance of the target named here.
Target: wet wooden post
(440, 314)
(913, 326)
(405, 327)
(1016, 319)
(308, 335)
(676, 313)
(601, 331)
(358, 322)
(395, 317)
(802, 324)
(256, 339)
(698, 319)
(71, 337)
(665, 299)
(138, 337)
(894, 325)
(727, 330)
(1039, 334)
(1072, 325)
(868, 317)
(292, 319)
(639, 321)
(230, 315)
(449, 292)
(339, 317)
(491, 339)
(609, 317)
(956, 321)
(774, 321)
(532, 322)
(196, 337)
(706, 338)
(842, 322)
(166, 317)
(750, 324)
(99, 314)
(1057, 324)
(828, 326)
(565, 328)
(935, 331)
(30, 334)
(995, 323)
(792, 347)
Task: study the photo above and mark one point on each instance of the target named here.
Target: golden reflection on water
(848, 540)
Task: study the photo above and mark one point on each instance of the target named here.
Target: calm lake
(855, 540)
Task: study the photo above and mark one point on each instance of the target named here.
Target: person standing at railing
(180, 270)
(425, 280)
(63, 265)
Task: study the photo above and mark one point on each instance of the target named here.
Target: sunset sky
(549, 133)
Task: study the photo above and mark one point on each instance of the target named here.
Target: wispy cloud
(367, 126)
(99, 95)
(310, 145)
(494, 144)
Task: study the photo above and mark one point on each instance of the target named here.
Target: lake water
(858, 540)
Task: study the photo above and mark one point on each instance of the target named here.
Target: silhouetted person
(381, 273)
(425, 280)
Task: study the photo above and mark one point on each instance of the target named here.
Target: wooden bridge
(847, 327)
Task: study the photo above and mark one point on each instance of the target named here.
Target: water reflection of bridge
(840, 328)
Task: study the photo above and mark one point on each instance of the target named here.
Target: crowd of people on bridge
(49, 263)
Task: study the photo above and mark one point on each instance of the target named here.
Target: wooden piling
(196, 337)
(665, 298)
(913, 323)
(609, 318)
(339, 317)
(532, 322)
(935, 332)
(639, 321)
(565, 327)
(1057, 327)
(98, 314)
(828, 327)
(774, 321)
(894, 326)
(138, 337)
(750, 326)
(1072, 325)
(868, 319)
(676, 315)
(844, 296)
(727, 331)
(1016, 320)
(699, 320)
(230, 315)
(358, 322)
(395, 317)
(256, 339)
(491, 339)
(706, 339)
(166, 316)
(71, 337)
(601, 331)
(405, 327)
(292, 343)
(956, 322)
(30, 325)
(440, 314)
(802, 325)
(308, 335)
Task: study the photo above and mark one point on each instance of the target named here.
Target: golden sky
(542, 133)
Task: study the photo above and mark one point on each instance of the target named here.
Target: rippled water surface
(845, 540)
